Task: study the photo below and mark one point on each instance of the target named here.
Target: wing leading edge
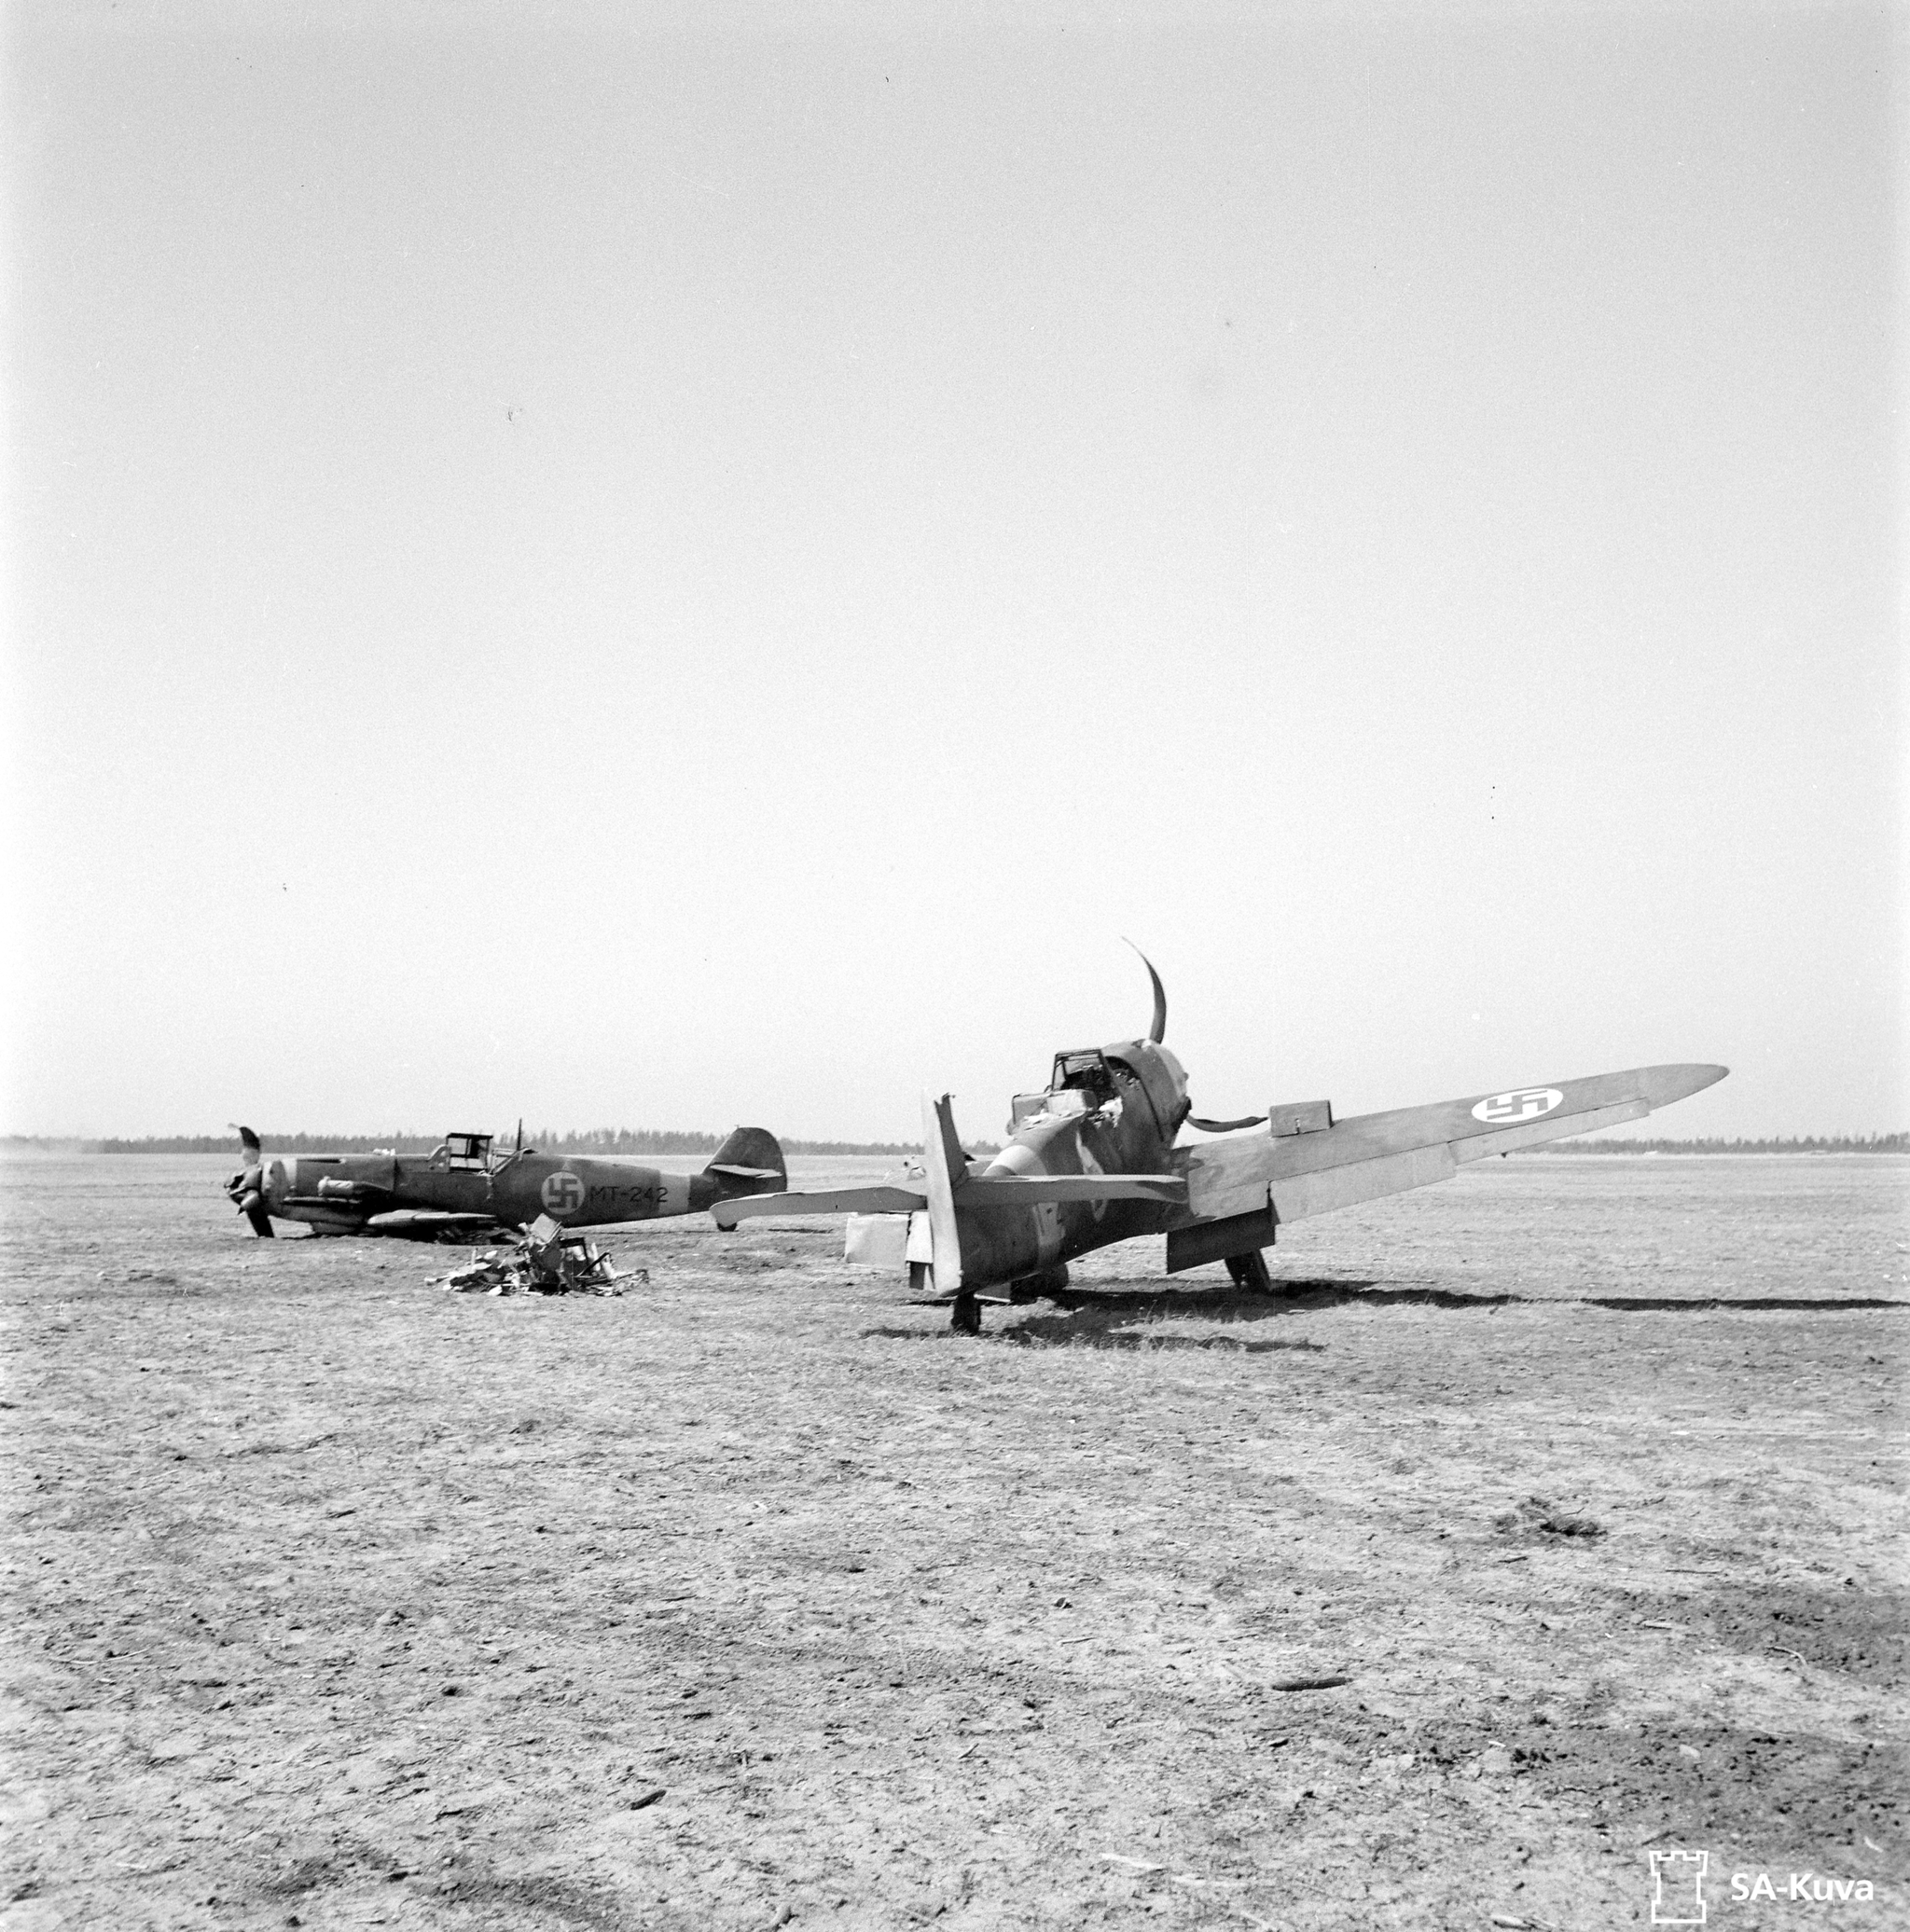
(1238, 1190)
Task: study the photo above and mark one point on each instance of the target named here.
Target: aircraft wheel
(1250, 1271)
(964, 1318)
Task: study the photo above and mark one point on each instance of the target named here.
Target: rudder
(750, 1162)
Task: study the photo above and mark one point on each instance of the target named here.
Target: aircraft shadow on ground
(1336, 1295)
(1113, 1319)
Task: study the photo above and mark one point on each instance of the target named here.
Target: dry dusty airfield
(340, 1601)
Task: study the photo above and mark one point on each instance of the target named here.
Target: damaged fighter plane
(1097, 1158)
(461, 1189)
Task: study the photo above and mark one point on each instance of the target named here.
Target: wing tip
(1665, 1084)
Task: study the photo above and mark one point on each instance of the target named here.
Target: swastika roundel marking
(1522, 1103)
(563, 1194)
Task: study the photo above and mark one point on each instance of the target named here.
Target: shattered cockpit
(1108, 1080)
(1082, 1082)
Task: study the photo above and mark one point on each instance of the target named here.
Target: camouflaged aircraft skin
(461, 1188)
(1097, 1159)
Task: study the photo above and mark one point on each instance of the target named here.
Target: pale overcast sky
(664, 567)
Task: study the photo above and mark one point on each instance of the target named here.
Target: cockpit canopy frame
(467, 1153)
(1084, 1071)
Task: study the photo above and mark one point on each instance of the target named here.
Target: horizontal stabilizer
(1031, 1190)
(974, 1190)
(736, 1173)
(841, 1200)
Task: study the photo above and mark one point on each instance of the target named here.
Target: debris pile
(543, 1261)
(1536, 1516)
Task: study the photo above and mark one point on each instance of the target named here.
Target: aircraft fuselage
(459, 1189)
(1116, 1111)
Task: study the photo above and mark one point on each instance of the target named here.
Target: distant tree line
(608, 1141)
(1811, 1143)
(633, 1140)
(642, 1141)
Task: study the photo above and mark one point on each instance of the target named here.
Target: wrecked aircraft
(462, 1188)
(1096, 1158)
(544, 1259)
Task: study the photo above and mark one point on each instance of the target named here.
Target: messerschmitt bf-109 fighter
(1095, 1160)
(463, 1187)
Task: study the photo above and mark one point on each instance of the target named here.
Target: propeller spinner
(247, 1188)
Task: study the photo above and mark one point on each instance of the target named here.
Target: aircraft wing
(1258, 1180)
(879, 1199)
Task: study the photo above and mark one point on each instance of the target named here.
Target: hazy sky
(562, 562)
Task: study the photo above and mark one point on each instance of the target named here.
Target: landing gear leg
(964, 1318)
(1250, 1271)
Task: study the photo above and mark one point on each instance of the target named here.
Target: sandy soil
(340, 1601)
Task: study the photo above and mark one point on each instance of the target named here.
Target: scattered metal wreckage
(1096, 1159)
(464, 1189)
(545, 1260)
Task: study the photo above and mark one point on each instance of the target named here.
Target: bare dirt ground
(340, 1601)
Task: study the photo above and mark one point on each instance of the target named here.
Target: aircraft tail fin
(946, 1168)
(750, 1162)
